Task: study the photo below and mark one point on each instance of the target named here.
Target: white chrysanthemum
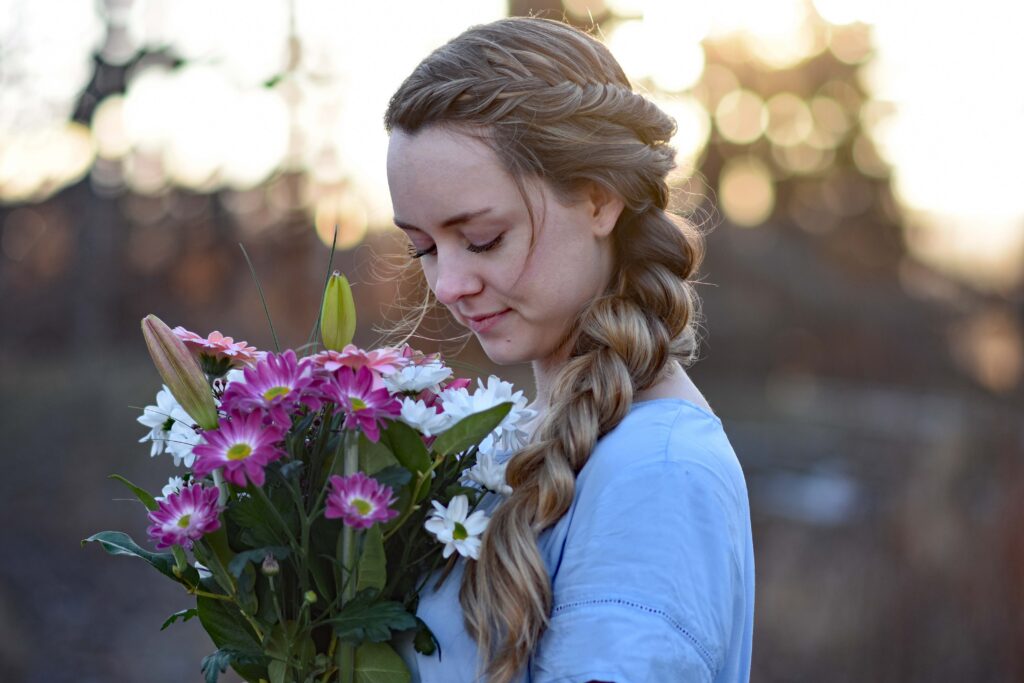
(161, 420)
(424, 418)
(234, 375)
(174, 485)
(509, 434)
(452, 527)
(415, 378)
(489, 473)
(180, 442)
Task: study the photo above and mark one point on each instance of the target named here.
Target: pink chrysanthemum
(184, 517)
(242, 446)
(359, 501)
(219, 346)
(353, 393)
(383, 361)
(278, 384)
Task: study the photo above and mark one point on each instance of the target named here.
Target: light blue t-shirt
(652, 567)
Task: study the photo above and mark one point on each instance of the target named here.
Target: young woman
(530, 180)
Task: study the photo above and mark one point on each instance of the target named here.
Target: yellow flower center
(460, 533)
(363, 507)
(184, 521)
(240, 451)
(273, 392)
(357, 403)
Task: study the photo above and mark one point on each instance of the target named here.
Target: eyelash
(413, 252)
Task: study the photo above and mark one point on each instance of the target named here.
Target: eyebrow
(458, 219)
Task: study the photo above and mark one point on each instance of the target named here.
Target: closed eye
(475, 248)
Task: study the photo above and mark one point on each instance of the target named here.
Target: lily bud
(180, 372)
(338, 316)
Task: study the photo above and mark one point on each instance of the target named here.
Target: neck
(543, 372)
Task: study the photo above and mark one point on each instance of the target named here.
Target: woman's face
(464, 214)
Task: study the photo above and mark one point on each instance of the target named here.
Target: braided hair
(552, 103)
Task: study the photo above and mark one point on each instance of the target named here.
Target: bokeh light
(210, 108)
(746, 191)
(741, 117)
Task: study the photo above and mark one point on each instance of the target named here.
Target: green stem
(330, 655)
(208, 594)
(263, 299)
(262, 495)
(346, 653)
(412, 507)
(316, 460)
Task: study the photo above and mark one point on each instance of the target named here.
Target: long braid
(552, 103)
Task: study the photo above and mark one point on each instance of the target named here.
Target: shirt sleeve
(646, 586)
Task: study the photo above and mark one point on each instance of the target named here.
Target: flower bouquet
(318, 493)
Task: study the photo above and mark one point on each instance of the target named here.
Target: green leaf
(144, 496)
(120, 543)
(425, 642)
(257, 524)
(395, 477)
(470, 430)
(407, 446)
(246, 590)
(242, 660)
(379, 663)
(227, 627)
(374, 456)
(184, 615)
(238, 563)
(362, 619)
(277, 671)
(373, 561)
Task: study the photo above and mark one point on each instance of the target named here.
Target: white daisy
(416, 378)
(452, 527)
(489, 473)
(234, 375)
(509, 434)
(424, 418)
(174, 485)
(180, 442)
(161, 420)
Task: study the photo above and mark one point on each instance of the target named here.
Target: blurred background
(857, 164)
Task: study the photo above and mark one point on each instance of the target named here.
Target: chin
(505, 353)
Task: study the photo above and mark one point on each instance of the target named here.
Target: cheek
(429, 274)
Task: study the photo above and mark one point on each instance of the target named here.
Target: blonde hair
(553, 104)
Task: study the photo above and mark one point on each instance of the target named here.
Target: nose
(454, 278)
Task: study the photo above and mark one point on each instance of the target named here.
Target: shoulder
(665, 437)
(651, 558)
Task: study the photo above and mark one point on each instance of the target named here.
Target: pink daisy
(353, 393)
(277, 384)
(359, 501)
(219, 346)
(242, 446)
(184, 517)
(383, 361)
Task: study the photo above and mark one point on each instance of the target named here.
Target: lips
(482, 323)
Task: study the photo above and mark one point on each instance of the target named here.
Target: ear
(604, 206)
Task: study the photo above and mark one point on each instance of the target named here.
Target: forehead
(440, 171)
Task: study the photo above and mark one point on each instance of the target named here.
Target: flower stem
(346, 653)
(330, 655)
(423, 476)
